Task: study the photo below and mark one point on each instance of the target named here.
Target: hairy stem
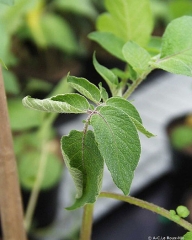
(86, 227)
(149, 206)
(136, 83)
(132, 88)
(10, 198)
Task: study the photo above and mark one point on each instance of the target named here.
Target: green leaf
(5, 44)
(141, 128)
(104, 94)
(176, 52)
(110, 78)
(3, 64)
(27, 170)
(82, 7)
(188, 236)
(131, 111)
(174, 216)
(11, 82)
(7, 2)
(106, 73)
(179, 8)
(118, 143)
(85, 163)
(128, 20)
(57, 32)
(124, 106)
(13, 17)
(136, 56)
(64, 103)
(22, 118)
(109, 42)
(154, 45)
(183, 211)
(120, 73)
(181, 136)
(85, 87)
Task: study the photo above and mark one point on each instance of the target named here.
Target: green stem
(86, 227)
(36, 189)
(136, 83)
(44, 136)
(149, 206)
(43, 133)
(132, 88)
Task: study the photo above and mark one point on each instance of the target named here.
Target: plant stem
(36, 189)
(149, 206)
(10, 198)
(43, 136)
(136, 83)
(86, 227)
(132, 88)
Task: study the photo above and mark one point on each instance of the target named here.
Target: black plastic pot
(46, 208)
(181, 163)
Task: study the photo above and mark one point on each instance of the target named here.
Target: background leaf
(85, 87)
(7, 2)
(85, 164)
(128, 20)
(154, 45)
(12, 16)
(179, 8)
(176, 52)
(81, 7)
(2, 63)
(11, 82)
(109, 42)
(65, 103)
(57, 32)
(22, 118)
(118, 143)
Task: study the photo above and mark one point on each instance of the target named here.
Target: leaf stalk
(149, 206)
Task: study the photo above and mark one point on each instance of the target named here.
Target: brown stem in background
(10, 198)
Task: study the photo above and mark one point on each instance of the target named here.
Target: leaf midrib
(117, 150)
(175, 54)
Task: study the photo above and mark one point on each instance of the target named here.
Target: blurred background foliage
(44, 35)
(42, 40)
(166, 10)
